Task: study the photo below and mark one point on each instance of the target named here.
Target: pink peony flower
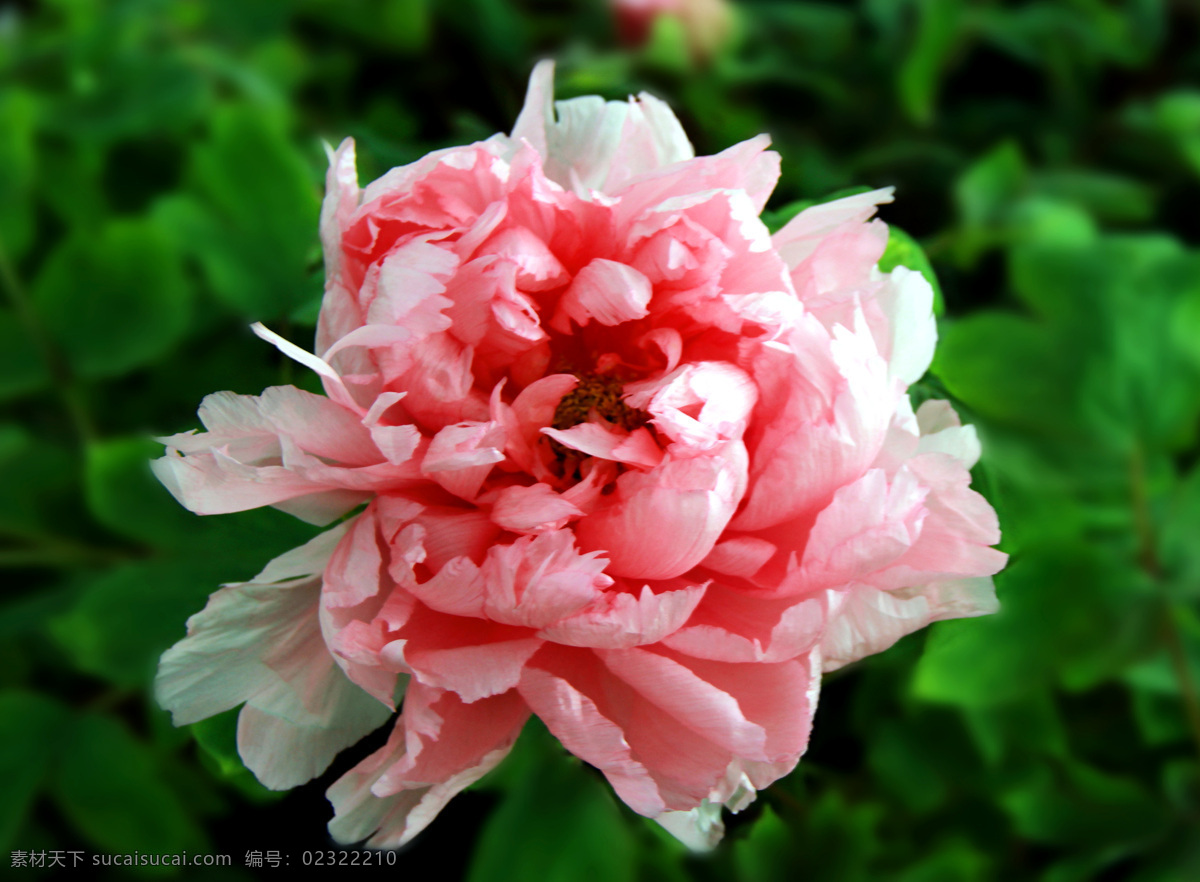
(629, 463)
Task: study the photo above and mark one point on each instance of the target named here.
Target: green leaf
(921, 71)
(1010, 369)
(1030, 724)
(71, 183)
(1071, 803)
(1160, 718)
(115, 299)
(1181, 784)
(1053, 601)
(499, 31)
(1177, 545)
(254, 226)
(1185, 325)
(1119, 297)
(22, 367)
(37, 480)
(906, 764)
(1108, 196)
(1047, 221)
(667, 46)
(402, 26)
(989, 187)
(18, 114)
(124, 495)
(903, 250)
(1177, 114)
(833, 841)
(953, 861)
(126, 618)
(768, 854)
(31, 729)
(109, 787)
(557, 823)
(137, 90)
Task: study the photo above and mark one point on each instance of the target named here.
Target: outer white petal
(941, 432)
(871, 620)
(595, 144)
(391, 821)
(699, 829)
(800, 236)
(907, 302)
(259, 642)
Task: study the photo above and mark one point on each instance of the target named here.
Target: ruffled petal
(260, 643)
(439, 747)
(593, 144)
(696, 496)
(625, 619)
(871, 620)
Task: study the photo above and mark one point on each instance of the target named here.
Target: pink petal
(627, 619)
(607, 441)
(868, 525)
(799, 238)
(461, 456)
(471, 657)
(410, 288)
(594, 144)
(575, 720)
(533, 509)
(607, 291)
(537, 267)
(397, 443)
(733, 626)
(698, 405)
(439, 747)
(538, 580)
(739, 556)
(676, 689)
(696, 497)
(531, 410)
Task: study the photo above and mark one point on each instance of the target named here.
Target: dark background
(160, 175)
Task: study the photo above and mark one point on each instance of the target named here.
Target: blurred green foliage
(160, 174)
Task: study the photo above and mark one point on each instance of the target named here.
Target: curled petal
(607, 291)
(696, 496)
(534, 509)
(625, 619)
(735, 626)
(460, 456)
(439, 747)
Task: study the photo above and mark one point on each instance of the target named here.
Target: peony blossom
(599, 448)
(706, 24)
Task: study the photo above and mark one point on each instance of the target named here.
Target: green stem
(41, 550)
(1183, 673)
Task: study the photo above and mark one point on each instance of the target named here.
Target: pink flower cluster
(628, 462)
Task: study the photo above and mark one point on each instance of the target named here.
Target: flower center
(602, 395)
